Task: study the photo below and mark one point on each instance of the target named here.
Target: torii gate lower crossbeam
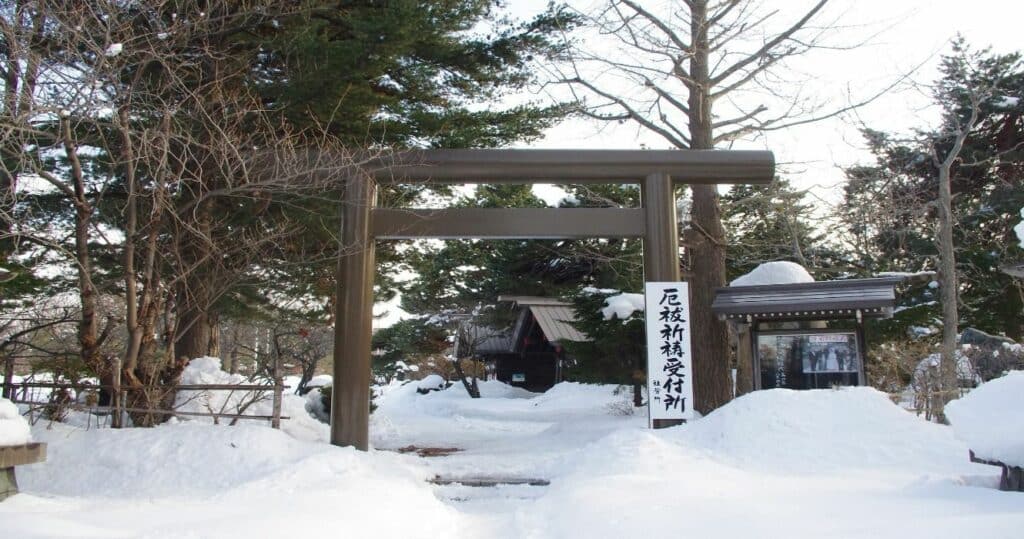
(657, 172)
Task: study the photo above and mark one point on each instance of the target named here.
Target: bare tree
(139, 120)
(700, 75)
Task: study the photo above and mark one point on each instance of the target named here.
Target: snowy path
(773, 464)
(510, 435)
(845, 464)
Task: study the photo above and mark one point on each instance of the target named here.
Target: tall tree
(681, 74)
(946, 198)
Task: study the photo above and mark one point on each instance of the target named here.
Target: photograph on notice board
(829, 352)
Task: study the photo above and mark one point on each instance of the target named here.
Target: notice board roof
(819, 300)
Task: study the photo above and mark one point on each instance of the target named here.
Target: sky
(903, 37)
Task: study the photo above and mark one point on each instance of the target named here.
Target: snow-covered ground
(779, 463)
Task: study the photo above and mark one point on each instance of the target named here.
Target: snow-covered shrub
(433, 382)
(318, 402)
(318, 405)
(622, 407)
(991, 355)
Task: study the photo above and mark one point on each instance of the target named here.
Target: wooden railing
(21, 393)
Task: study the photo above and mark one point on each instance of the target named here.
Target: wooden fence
(25, 393)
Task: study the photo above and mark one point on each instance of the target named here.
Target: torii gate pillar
(350, 399)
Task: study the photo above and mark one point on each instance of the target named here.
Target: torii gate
(657, 172)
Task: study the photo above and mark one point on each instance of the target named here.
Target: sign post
(669, 362)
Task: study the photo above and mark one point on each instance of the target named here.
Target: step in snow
(491, 496)
(489, 481)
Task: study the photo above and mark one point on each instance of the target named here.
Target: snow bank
(990, 419)
(176, 460)
(622, 306)
(779, 272)
(776, 463)
(205, 481)
(854, 428)
(14, 429)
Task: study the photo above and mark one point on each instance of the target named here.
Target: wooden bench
(17, 455)
(1012, 478)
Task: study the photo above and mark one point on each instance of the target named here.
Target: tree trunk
(949, 290)
(471, 388)
(213, 320)
(704, 241)
(194, 295)
(949, 383)
(195, 339)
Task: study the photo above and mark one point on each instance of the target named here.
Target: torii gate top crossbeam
(572, 166)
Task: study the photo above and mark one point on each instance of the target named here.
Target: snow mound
(821, 431)
(494, 389)
(320, 380)
(990, 419)
(176, 460)
(205, 481)
(207, 370)
(622, 306)
(779, 272)
(14, 429)
(433, 382)
(566, 396)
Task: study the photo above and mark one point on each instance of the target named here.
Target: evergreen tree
(889, 207)
(772, 222)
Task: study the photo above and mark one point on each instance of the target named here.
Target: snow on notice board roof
(990, 419)
(778, 272)
(14, 429)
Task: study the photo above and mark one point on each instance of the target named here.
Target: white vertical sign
(669, 364)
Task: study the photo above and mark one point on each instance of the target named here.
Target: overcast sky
(909, 33)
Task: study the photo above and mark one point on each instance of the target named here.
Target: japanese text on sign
(669, 365)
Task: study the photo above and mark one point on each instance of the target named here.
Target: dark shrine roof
(554, 316)
(819, 300)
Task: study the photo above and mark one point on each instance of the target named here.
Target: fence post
(115, 397)
(275, 422)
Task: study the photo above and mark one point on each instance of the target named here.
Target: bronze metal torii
(656, 171)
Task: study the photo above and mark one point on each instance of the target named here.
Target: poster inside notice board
(809, 360)
(669, 362)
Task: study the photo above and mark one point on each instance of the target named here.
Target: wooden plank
(508, 223)
(19, 455)
(489, 481)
